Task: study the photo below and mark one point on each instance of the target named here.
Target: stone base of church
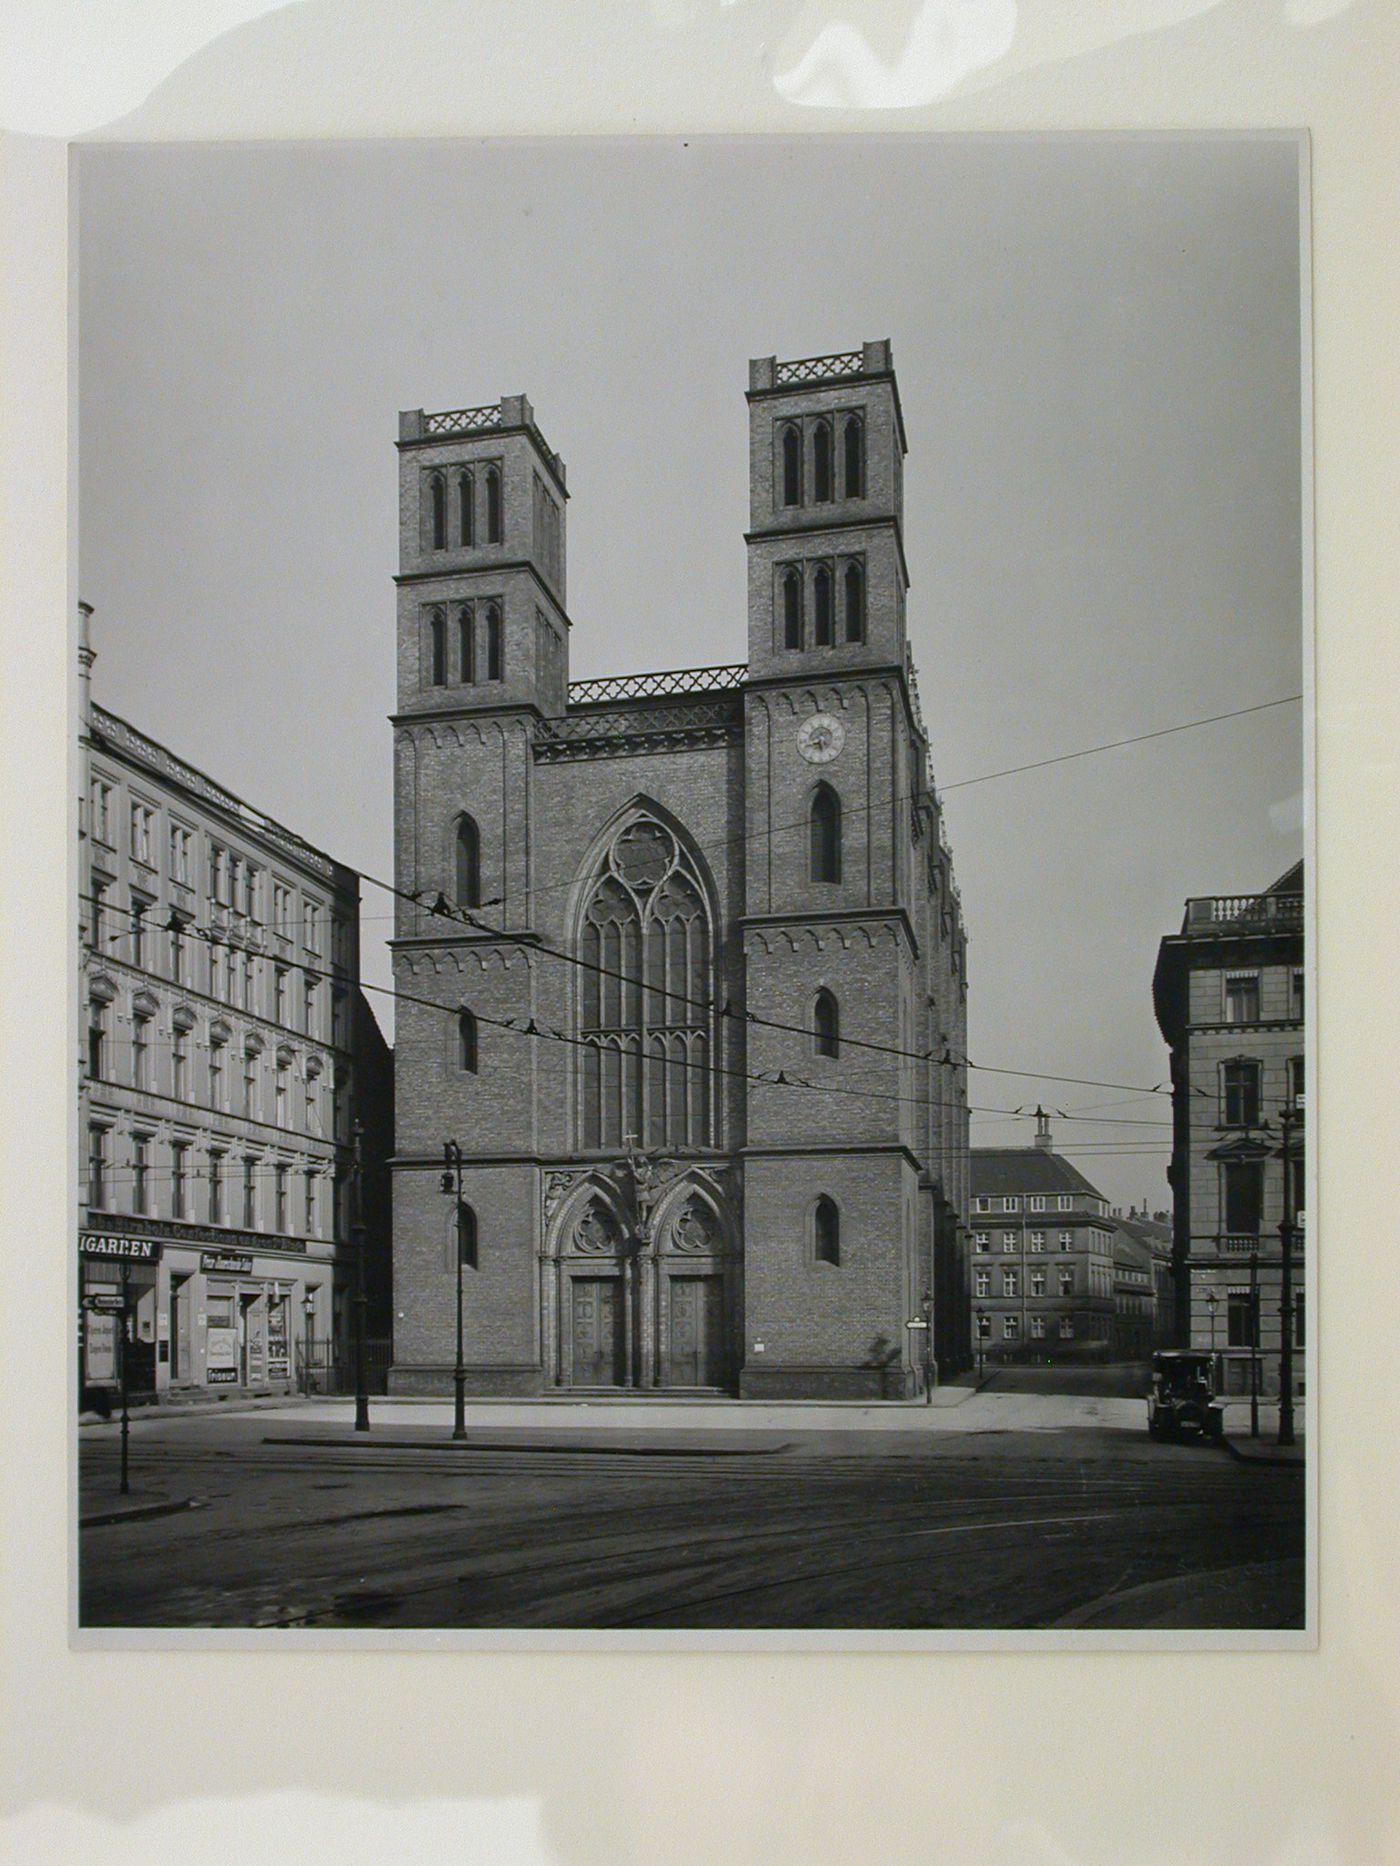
(828, 1383)
(410, 1382)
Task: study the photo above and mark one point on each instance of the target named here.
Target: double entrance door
(693, 1344)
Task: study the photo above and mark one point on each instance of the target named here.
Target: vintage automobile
(1182, 1402)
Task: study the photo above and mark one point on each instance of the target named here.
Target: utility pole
(123, 1343)
(357, 1233)
(1287, 1116)
(452, 1184)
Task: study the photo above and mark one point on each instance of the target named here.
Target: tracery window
(792, 607)
(493, 505)
(792, 465)
(645, 1012)
(826, 1025)
(855, 603)
(824, 823)
(465, 507)
(821, 462)
(823, 632)
(853, 435)
(467, 863)
(438, 490)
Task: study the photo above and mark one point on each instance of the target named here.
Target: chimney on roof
(1042, 1130)
(87, 654)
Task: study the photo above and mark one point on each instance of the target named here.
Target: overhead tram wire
(781, 1079)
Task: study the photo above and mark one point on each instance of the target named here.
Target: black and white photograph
(693, 871)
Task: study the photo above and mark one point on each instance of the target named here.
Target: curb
(137, 1512)
(474, 1443)
(1249, 1457)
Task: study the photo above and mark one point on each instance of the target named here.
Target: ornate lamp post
(357, 1233)
(930, 1364)
(452, 1185)
(981, 1343)
(1212, 1304)
(308, 1309)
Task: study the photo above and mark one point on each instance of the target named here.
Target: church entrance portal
(598, 1332)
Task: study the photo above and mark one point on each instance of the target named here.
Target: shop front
(203, 1317)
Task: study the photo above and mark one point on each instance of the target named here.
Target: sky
(1097, 348)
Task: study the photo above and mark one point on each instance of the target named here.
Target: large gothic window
(439, 520)
(823, 632)
(825, 827)
(792, 466)
(792, 607)
(821, 462)
(467, 864)
(854, 439)
(647, 944)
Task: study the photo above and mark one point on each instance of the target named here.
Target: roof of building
(1132, 1251)
(1149, 1231)
(1001, 1171)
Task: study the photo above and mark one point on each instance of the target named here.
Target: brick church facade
(683, 970)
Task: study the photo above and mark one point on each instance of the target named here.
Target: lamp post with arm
(452, 1185)
(981, 1343)
(1288, 1116)
(357, 1233)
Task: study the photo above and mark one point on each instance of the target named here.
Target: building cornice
(883, 521)
(499, 567)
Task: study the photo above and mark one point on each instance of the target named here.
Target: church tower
(835, 763)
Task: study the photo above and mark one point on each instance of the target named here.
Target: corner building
(702, 1038)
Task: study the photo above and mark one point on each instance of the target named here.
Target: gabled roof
(1289, 882)
(1128, 1249)
(1157, 1237)
(997, 1172)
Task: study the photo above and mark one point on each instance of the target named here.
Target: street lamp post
(452, 1185)
(1287, 1116)
(1212, 1304)
(308, 1306)
(981, 1343)
(1254, 1344)
(123, 1344)
(930, 1364)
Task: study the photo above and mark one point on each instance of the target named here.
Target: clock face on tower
(821, 738)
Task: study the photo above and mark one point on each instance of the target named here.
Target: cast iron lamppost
(357, 1233)
(1212, 1304)
(981, 1343)
(930, 1364)
(308, 1304)
(452, 1186)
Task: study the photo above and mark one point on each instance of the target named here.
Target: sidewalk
(1265, 1449)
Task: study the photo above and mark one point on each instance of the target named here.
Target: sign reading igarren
(111, 1244)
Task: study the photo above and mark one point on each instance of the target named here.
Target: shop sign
(111, 1301)
(111, 1244)
(278, 1360)
(221, 1357)
(235, 1262)
(101, 1350)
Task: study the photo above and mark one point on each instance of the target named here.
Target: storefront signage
(110, 1244)
(236, 1262)
(113, 1302)
(174, 1231)
(101, 1350)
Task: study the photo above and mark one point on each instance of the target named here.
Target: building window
(437, 648)
(250, 974)
(216, 1072)
(1296, 1081)
(1011, 1328)
(467, 876)
(437, 494)
(310, 1211)
(1011, 1282)
(1239, 1084)
(279, 994)
(1037, 1202)
(1064, 1202)
(1243, 1196)
(1242, 998)
(823, 607)
(825, 828)
(792, 465)
(1066, 1328)
(179, 1159)
(97, 1168)
(1037, 1282)
(822, 475)
(792, 607)
(1008, 1242)
(466, 1238)
(826, 1018)
(495, 646)
(983, 1205)
(982, 1240)
(826, 1231)
(309, 1007)
(250, 1084)
(1012, 1204)
(142, 817)
(179, 854)
(97, 1040)
(140, 1050)
(312, 927)
(984, 1283)
(177, 950)
(855, 603)
(466, 1042)
(1066, 1240)
(1037, 1328)
(99, 902)
(1067, 1280)
(140, 1171)
(1296, 996)
(1037, 1240)
(1299, 1332)
(216, 1186)
(281, 909)
(180, 1063)
(646, 939)
(100, 812)
(1239, 1319)
(250, 1194)
(280, 1093)
(466, 515)
(853, 447)
(280, 1194)
(138, 933)
(466, 645)
(984, 1326)
(494, 520)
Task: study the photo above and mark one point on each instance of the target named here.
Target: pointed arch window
(853, 447)
(467, 874)
(647, 941)
(437, 493)
(822, 474)
(466, 644)
(826, 1231)
(823, 632)
(792, 464)
(466, 1041)
(462, 1246)
(826, 1025)
(825, 825)
(493, 505)
(437, 649)
(855, 602)
(792, 607)
(466, 511)
(495, 643)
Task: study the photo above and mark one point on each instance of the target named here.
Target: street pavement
(996, 1509)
